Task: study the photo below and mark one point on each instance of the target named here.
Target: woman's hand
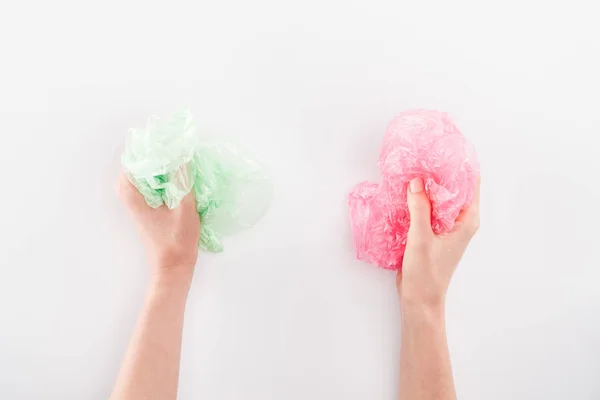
(429, 263)
(170, 236)
(430, 260)
(151, 366)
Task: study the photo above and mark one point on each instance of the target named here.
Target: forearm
(151, 366)
(425, 369)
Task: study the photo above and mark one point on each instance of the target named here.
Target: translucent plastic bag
(166, 160)
(417, 143)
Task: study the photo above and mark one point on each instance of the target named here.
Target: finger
(475, 203)
(472, 213)
(468, 219)
(189, 200)
(129, 194)
(419, 208)
(122, 186)
(462, 216)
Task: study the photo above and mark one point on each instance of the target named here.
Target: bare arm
(425, 371)
(150, 369)
(429, 263)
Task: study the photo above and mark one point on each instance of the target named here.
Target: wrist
(168, 290)
(177, 277)
(413, 308)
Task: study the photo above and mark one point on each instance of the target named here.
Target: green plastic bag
(166, 160)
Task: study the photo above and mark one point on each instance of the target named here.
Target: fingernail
(416, 185)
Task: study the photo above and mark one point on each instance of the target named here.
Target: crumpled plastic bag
(167, 159)
(417, 143)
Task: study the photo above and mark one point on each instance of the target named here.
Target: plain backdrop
(286, 312)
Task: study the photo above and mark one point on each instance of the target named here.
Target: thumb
(419, 208)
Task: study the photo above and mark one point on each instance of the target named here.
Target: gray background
(286, 312)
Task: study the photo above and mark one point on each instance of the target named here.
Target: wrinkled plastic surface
(166, 160)
(417, 143)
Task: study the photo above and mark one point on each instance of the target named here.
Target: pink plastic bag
(417, 143)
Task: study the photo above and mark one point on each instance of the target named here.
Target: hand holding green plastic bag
(166, 160)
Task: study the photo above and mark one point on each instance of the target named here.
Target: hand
(170, 236)
(430, 260)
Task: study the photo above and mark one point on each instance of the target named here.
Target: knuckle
(123, 190)
(474, 225)
(120, 188)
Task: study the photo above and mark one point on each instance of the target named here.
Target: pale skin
(151, 366)
(429, 263)
(150, 369)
